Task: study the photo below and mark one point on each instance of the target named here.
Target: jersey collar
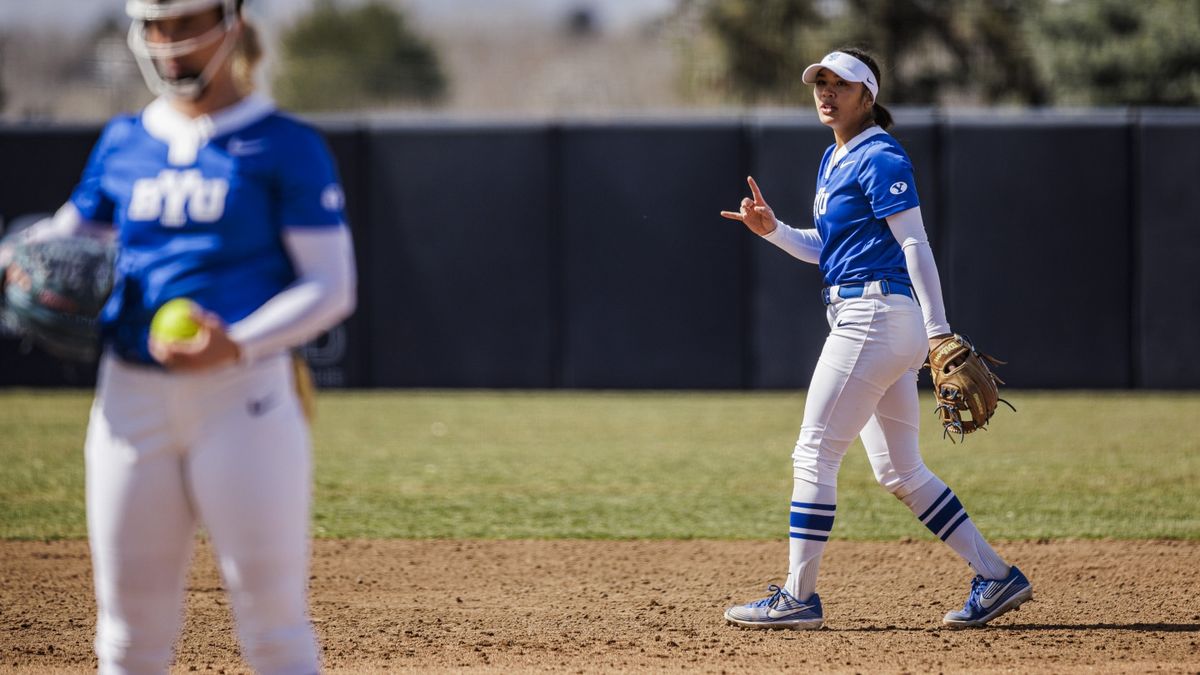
(841, 153)
(185, 135)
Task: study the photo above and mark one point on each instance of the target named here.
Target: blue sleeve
(309, 187)
(886, 178)
(89, 196)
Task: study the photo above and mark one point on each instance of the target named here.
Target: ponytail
(246, 56)
(883, 117)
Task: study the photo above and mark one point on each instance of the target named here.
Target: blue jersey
(854, 197)
(208, 226)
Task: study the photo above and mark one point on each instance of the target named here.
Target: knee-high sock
(939, 510)
(813, 507)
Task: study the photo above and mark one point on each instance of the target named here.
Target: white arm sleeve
(802, 244)
(909, 229)
(323, 294)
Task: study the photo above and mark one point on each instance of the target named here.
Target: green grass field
(662, 465)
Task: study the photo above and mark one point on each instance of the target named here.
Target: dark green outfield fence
(590, 254)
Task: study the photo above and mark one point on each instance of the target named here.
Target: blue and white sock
(812, 511)
(937, 507)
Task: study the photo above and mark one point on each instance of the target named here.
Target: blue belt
(855, 289)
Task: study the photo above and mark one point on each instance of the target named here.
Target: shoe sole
(799, 624)
(1012, 603)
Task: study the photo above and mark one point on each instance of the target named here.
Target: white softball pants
(865, 383)
(227, 449)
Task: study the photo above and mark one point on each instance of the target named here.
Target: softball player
(869, 241)
(215, 196)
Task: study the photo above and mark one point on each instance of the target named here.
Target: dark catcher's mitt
(963, 383)
(53, 291)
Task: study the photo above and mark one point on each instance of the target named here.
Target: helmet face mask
(188, 85)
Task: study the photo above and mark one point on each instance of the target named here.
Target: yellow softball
(173, 321)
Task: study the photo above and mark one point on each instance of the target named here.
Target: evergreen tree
(1113, 52)
(336, 58)
(930, 51)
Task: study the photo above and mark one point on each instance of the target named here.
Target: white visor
(846, 67)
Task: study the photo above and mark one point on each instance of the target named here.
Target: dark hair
(881, 114)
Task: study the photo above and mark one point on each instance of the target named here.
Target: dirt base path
(588, 606)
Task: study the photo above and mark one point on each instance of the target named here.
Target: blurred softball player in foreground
(213, 196)
(871, 246)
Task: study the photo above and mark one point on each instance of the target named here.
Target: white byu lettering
(208, 201)
(177, 187)
(821, 202)
(146, 202)
(174, 196)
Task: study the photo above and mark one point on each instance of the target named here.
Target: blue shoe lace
(776, 592)
(977, 585)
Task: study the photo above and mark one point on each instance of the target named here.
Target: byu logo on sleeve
(332, 197)
(174, 196)
(898, 188)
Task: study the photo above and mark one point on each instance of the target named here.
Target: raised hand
(754, 213)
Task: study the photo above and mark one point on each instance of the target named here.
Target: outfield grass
(678, 465)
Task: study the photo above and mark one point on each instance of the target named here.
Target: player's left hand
(937, 340)
(212, 347)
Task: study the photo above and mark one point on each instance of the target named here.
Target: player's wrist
(235, 350)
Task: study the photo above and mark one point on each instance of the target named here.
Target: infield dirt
(602, 606)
